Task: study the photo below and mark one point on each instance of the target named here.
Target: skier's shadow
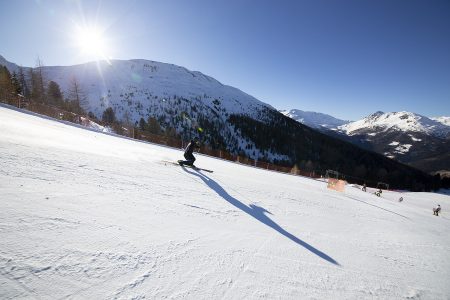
(258, 213)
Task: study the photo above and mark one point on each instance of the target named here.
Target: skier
(436, 210)
(188, 153)
(378, 193)
(364, 188)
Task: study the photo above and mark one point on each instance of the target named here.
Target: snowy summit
(401, 121)
(442, 120)
(136, 85)
(314, 119)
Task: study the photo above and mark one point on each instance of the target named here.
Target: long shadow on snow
(258, 213)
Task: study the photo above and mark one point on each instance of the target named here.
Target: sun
(91, 42)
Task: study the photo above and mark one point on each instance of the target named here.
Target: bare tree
(77, 98)
(37, 82)
(127, 118)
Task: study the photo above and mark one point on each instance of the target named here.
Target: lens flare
(91, 41)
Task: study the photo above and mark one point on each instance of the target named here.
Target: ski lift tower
(332, 174)
(382, 186)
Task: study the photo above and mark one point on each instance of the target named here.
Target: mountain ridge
(192, 104)
(314, 119)
(402, 121)
(409, 137)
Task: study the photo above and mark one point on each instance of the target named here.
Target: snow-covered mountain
(193, 104)
(130, 83)
(177, 97)
(442, 120)
(137, 85)
(400, 121)
(85, 215)
(408, 137)
(314, 119)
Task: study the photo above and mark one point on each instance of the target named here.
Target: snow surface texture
(90, 124)
(86, 215)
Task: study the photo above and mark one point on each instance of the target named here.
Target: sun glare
(91, 42)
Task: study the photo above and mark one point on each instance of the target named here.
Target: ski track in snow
(86, 215)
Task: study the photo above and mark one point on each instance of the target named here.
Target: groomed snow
(85, 215)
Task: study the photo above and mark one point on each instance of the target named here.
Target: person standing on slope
(436, 210)
(364, 188)
(188, 153)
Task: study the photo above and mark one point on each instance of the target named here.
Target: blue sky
(344, 58)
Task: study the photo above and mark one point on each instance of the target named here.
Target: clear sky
(344, 58)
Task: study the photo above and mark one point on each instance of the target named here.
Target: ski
(177, 163)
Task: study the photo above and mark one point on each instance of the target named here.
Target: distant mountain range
(223, 117)
(442, 120)
(408, 137)
(314, 119)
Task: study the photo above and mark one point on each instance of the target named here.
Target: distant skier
(436, 210)
(190, 159)
(379, 192)
(364, 188)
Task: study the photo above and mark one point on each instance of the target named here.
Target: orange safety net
(336, 184)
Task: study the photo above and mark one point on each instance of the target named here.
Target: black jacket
(190, 147)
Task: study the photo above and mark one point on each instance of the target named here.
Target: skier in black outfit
(188, 153)
(436, 210)
(364, 188)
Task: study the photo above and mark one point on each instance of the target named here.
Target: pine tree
(153, 125)
(23, 83)
(6, 86)
(16, 84)
(54, 94)
(109, 117)
(142, 124)
(92, 116)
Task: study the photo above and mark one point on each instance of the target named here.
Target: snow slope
(135, 85)
(180, 99)
(85, 215)
(314, 119)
